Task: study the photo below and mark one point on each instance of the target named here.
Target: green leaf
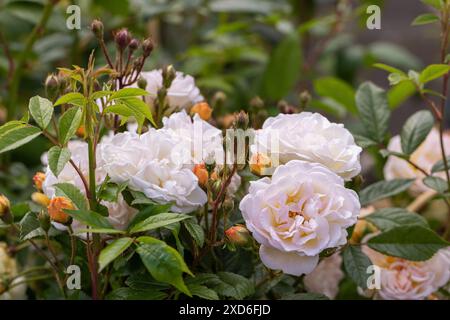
(69, 123)
(425, 18)
(15, 134)
(374, 110)
(400, 93)
(437, 4)
(196, 231)
(436, 183)
(30, 227)
(151, 209)
(139, 108)
(227, 284)
(440, 166)
(128, 93)
(388, 218)
(73, 193)
(110, 191)
(338, 90)
(282, 70)
(74, 98)
(90, 218)
(99, 230)
(388, 68)
(158, 221)
(112, 251)
(383, 189)
(132, 294)
(413, 243)
(356, 264)
(142, 281)
(364, 142)
(163, 262)
(305, 296)
(433, 71)
(415, 130)
(41, 110)
(202, 292)
(57, 159)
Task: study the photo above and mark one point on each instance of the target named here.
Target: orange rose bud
(40, 198)
(259, 163)
(38, 180)
(80, 132)
(238, 235)
(203, 110)
(201, 173)
(5, 205)
(56, 209)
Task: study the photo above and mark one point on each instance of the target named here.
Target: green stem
(22, 59)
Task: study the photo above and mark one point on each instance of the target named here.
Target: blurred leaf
(415, 130)
(41, 110)
(387, 68)
(383, 189)
(356, 264)
(57, 159)
(400, 92)
(439, 166)
(158, 221)
(394, 55)
(69, 124)
(433, 72)
(163, 262)
(112, 251)
(436, 183)
(14, 134)
(374, 111)
(338, 90)
(116, 7)
(425, 18)
(132, 294)
(437, 4)
(74, 98)
(250, 6)
(73, 193)
(30, 227)
(413, 243)
(283, 68)
(388, 218)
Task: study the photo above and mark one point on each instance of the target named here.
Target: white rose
(409, 280)
(8, 270)
(120, 214)
(146, 163)
(326, 277)
(301, 211)
(196, 139)
(309, 137)
(182, 94)
(425, 156)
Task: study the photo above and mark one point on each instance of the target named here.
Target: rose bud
(56, 210)
(81, 132)
(228, 204)
(52, 86)
(44, 220)
(168, 75)
(305, 98)
(201, 173)
(147, 47)
(5, 210)
(203, 110)
(257, 103)
(122, 38)
(238, 235)
(286, 108)
(40, 199)
(38, 180)
(142, 83)
(259, 164)
(134, 44)
(241, 120)
(97, 28)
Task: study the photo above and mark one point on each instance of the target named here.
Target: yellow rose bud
(5, 206)
(259, 164)
(238, 235)
(56, 209)
(203, 110)
(201, 173)
(38, 180)
(40, 198)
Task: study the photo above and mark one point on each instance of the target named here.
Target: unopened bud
(257, 103)
(168, 75)
(219, 99)
(238, 235)
(228, 204)
(40, 198)
(38, 180)
(122, 38)
(56, 210)
(44, 220)
(286, 108)
(202, 174)
(305, 98)
(203, 110)
(142, 83)
(241, 121)
(5, 206)
(134, 44)
(147, 47)
(81, 132)
(260, 164)
(97, 28)
(52, 86)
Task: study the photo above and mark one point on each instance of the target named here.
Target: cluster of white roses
(304, 208)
